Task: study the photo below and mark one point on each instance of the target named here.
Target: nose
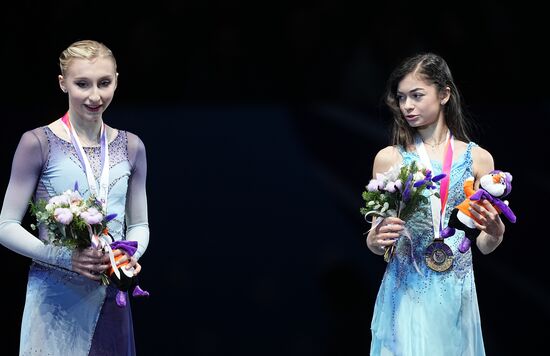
(94, 95)
(408, 104)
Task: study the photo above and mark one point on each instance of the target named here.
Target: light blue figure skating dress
(66, 313)
(436, 313)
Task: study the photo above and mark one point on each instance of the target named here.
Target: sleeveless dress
(434, 314)
(66, 313)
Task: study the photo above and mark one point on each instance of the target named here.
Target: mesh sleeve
(136, 200)
(25, 172)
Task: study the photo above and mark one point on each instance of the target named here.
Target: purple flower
(92, 216)
(407, 191)
(110, 217)
(429, 180)
(420, 182)
(63, 215)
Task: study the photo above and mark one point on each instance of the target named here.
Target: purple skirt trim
(114, 333)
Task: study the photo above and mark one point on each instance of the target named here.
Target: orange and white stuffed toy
(493, 186)
(124, 278)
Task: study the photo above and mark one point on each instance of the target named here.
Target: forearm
(488, 243)
(136, 203)
(139, 233)
(16, 238)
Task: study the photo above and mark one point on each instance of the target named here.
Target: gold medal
(439, 256)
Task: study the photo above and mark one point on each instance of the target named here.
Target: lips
(93, 108)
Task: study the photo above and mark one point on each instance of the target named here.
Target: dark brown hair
(432, 68)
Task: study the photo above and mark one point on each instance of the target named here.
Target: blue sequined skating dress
(434, 314)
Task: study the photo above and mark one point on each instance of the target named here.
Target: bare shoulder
(482, 161)
(385, 159)
(459, 147)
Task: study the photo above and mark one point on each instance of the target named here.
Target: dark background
(261, 121)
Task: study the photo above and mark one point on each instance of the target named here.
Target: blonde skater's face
(91, 86)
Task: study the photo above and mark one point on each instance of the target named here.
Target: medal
(439, 256)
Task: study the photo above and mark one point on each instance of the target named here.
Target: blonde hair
(85, 49)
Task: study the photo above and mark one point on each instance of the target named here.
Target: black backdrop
(261, 122)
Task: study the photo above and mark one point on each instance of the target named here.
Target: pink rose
(63, 215)
(373, 185)
(390, 187)
(92, 216)
(398, 184)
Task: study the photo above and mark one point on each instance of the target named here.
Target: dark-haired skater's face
(419, 101)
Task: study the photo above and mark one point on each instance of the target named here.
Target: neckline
(117, 133)
(456, 160)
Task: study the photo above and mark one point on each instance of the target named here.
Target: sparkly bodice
(62, 168)
(420, 223)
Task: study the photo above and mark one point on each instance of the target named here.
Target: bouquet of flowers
(398, 193)
(75, 222)
(72, 221)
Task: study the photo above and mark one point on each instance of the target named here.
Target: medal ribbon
(100, 242)
(101, 192)
(438, 204)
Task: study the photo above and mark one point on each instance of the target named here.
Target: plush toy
(493, 187)
(125, 280)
